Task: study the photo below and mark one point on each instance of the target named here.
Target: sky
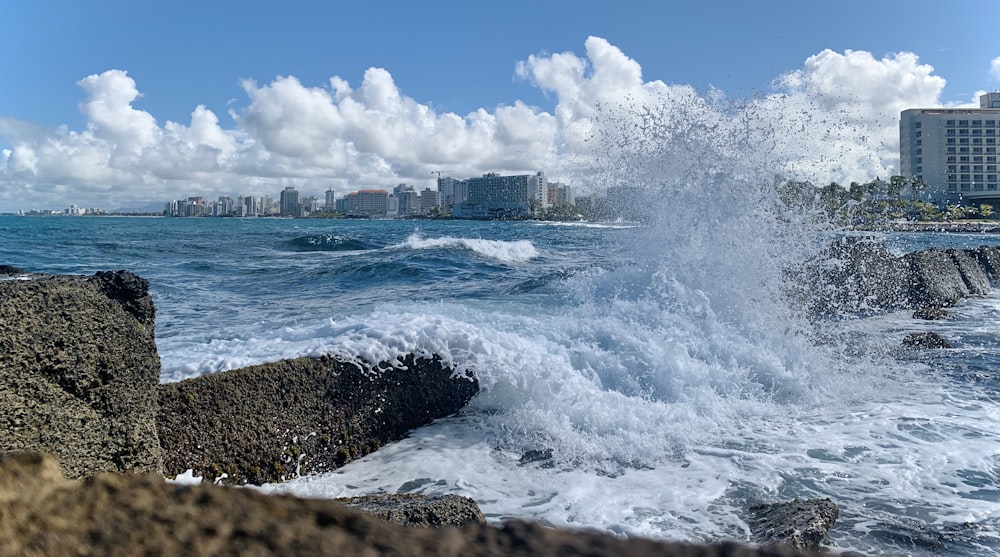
(117, 104)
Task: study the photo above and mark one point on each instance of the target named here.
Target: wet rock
(935, 279)
(126, 514)
(854, 276)
(412, 509)
(276, 421)
(972, 273)
(535, 455)
(797, 523)
(925, 340)
(79, 371)
(930, 314)
(989, 259)
(8, 270)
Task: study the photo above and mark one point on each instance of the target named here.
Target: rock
(925, 340)
(126, 514)
(930, 314)
(7, 270)
(798, 523)
(413, 509)
(79, 371)
(535, 455)
(272, 422)
(853, 276)
(972, 273)
(989, 259)
(858, 276)
(935, 279)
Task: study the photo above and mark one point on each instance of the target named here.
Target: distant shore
(978, 227)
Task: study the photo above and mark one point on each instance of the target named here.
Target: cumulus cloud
(835, 117)
(995, 68)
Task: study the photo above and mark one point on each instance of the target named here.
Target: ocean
(662, 364)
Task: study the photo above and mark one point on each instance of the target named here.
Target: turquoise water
(664, 374)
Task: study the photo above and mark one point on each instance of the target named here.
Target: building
(289, 202)
(365, 203)
(493, 196)
(953, 150)
(331, 201)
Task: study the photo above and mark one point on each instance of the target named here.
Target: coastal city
(490, 196)
(948, 171)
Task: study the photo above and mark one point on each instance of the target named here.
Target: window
(952, 168)
(965, 187)
(920, 169)
(977, 132)
(976, 168)
(918, 134)
(964, 177)
(963, 123)
(951, 141)
(951, 150)
(977, 123)
(952, 177)
(963, 132)
(963, 159)
(992, 178)
(950, 123)
(964, 168)
(963, 141)
(952, 159)
(950, 133)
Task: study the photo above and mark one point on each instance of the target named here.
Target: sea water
(659, 363)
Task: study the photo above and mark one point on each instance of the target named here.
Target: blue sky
(446, 57)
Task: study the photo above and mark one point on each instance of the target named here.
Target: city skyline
(313, 97)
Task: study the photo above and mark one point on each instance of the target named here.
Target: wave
(327, 242)
(517, 251)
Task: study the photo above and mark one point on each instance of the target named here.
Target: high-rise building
(289, 202)
(331, 201)
(953, 150)
(372, 203)
(494, 196)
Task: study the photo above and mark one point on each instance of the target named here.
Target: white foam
(518, 251)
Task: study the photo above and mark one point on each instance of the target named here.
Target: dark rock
(272, 422)
(42, 513)
(413, 509)
(989, 259)
(853, 276)
(535, 455)
(930, 314)
(972, 273)
(79, 372)
(935, 279)
(925, 340)
(10, 271)
(798, 523)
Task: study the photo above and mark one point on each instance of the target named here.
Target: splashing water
(677, 388)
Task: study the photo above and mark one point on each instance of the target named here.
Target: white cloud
(835, 117)
(995, 68)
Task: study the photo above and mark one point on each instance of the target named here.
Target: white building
(953, 150)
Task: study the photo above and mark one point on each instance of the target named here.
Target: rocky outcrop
(79, 370)
(925, 340)
(271, 422)
(42, 513)
(859, 276)
(797, 523)
(411, 509)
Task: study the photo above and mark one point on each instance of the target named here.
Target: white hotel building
(953, 150)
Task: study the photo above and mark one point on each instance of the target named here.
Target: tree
(986, 210)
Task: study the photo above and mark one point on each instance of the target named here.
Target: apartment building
(953, 150)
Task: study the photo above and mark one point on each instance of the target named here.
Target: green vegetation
(875, 202)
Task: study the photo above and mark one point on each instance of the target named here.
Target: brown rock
(275, 421)
(123, 515)
(79, 370)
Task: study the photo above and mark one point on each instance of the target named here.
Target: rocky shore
(79, 380)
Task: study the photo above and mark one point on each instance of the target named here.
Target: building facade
(953, 150)
(494, 196)
(289, 202)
